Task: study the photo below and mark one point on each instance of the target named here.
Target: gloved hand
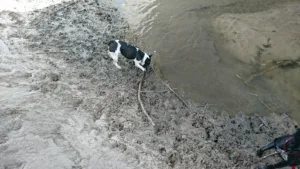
(259, 153)
(297, 137)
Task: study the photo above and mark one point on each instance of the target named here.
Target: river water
(190, 55)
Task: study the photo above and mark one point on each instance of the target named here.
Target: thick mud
(63, 104)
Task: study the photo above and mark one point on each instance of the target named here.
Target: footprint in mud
(54, 77)
(45, 87)
(173, 157)
(116, 126)
(77, 102)
(161, 128)
(162, 151)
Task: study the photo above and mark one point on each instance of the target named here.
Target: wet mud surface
(63, 104)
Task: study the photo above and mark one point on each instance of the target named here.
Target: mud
(64, 105)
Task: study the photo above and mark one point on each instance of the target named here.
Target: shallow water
(190, 55)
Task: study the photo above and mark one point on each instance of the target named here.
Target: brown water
(190, 55)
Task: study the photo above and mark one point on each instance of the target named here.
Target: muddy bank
(64, 105)
(258, 38)
(268, 40)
